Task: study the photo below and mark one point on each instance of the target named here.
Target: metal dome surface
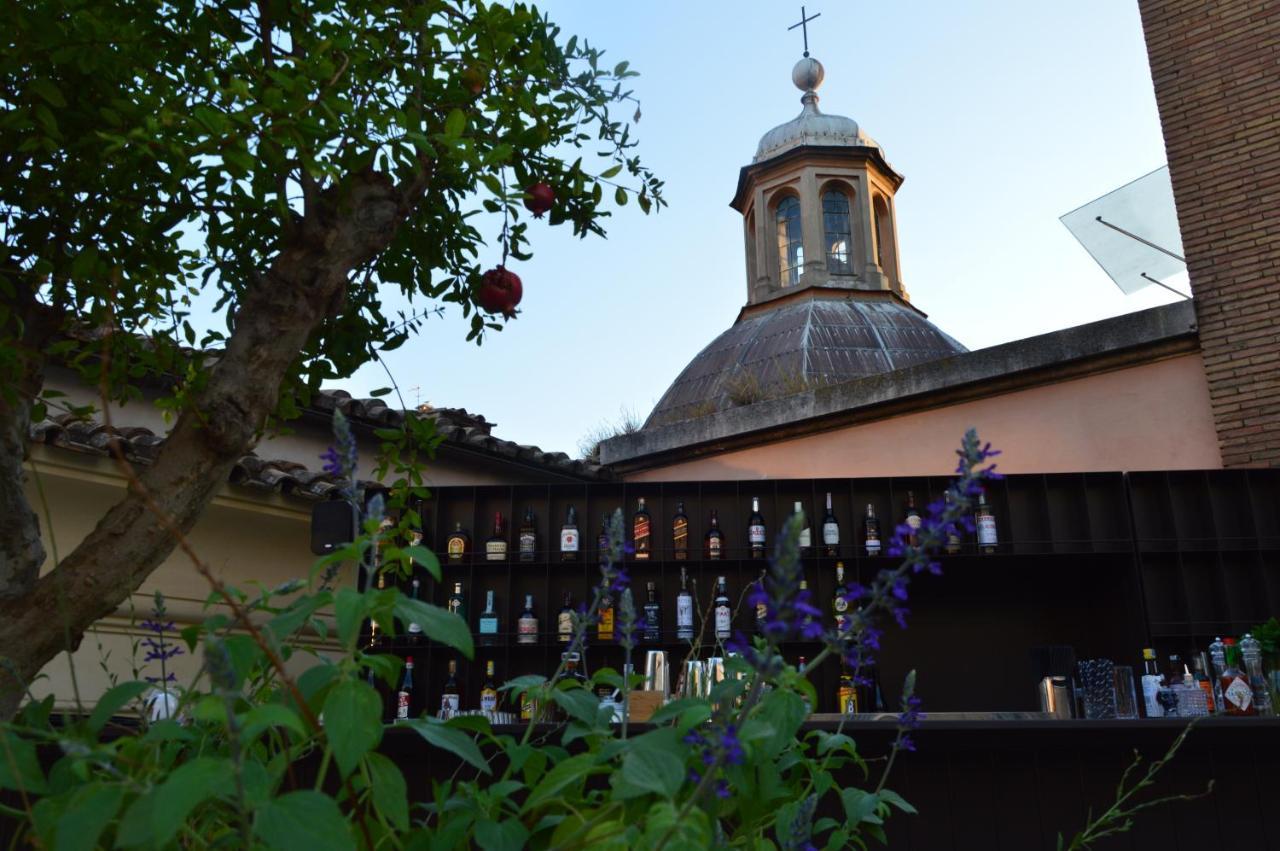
(811, 126)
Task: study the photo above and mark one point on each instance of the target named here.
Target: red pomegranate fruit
(539, 198)
(500, 291)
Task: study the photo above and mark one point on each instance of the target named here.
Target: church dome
(811, 126)
(822, 337)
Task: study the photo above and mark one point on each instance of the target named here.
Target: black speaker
(333, 525)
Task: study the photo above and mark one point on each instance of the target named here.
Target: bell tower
(817, 204)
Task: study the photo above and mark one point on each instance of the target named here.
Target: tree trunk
(345, 228)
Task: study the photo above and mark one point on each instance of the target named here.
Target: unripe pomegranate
(539, 198)
(500, 291)
(474, 79)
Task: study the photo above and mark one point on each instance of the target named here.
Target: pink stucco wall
(1155, 416)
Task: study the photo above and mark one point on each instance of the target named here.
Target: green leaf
(390, 793)
(785, 711)
(454, 124)
(352, 722)
(650, 770)
(113, 701)
(620, 196)
(19, 765)
(437, 624)
(456, 742)
(89, 810)
(896, 800)
(306, 821)
(578, 702)
(261, 717)
(509, 835)
(380, 392)
(572, 770)
(860, 806)
(184, 790)
(424, 557)
(611, 171)
(690, 711)
(49, 92)
(288, 621)
(349, 608)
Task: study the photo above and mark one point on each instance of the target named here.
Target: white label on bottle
(713, 547)
(488, 701)
(1150, 692)
(723, 616)
(565, 625)
(840, 603)
(987, 530)
(449, 704)
(402, 705)
(568, 540)
(831, 534)
(414, 628)
(873, 546)
(528, 631)
(755, 534)
(495, 550)
(1239, 694)
(528, 542)
(684, 611)
(806, 537)
(914, 521)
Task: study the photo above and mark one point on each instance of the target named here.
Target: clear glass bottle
(570, 543)
(414, 630)
(1237, 694)
(527, 626)
(830, 532)
(871, 531)
(684, 609)
(756, 530)
(1151, 681)
(456, 603)
(723, 611)
(988, 538)
(1218, 659)
(1251, 651)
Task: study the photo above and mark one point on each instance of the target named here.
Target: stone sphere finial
(807, 74)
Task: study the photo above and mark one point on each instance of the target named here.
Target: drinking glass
(1126, 695)
(1097, 682)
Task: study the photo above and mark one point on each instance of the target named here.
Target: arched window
(790, 243)
(886, 257)
(751, 249)
(835, 230)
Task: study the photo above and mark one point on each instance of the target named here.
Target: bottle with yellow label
(847, 694)
(458, 543)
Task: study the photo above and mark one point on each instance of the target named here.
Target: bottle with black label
(488, 624)
(839, 599)
(458, 544)
(806, 534)
(642, 529)
(451, 696)
(988, 540)
(456, 603)
(570, 543)
(714, 539)
(489, 691)
(528, 536)
(564, 620)
(684, 609)
(404, 697)
(414, 629)
(495, 546)
(527, 626)
(871, 531)
(652, 615)
(912, 520)
(680, 533)
(755, 530)
(723, 611)
(830, 532)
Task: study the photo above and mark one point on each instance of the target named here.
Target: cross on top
(804, 27)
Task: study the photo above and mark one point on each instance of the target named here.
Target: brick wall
(1216, 69)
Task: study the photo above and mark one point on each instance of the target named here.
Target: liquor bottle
(1237, 696)
(456, 603)
(652, 615)
(603, 546)
(564, 620)
(871, 532)
(830, 532)
(528, 706)
(458, 543)
(528, 536)
(1199, 670)
(1170, 688)
(805, 543)
(801, 665)
(762, 608)
(714, 539)
(846, 693)
(489, 691)
(1218, 657)
(414, 629)
(604, 617)
(912, 520)
(680, 533)
(404, 697)
(723, 613)
(642, 532)
(684, 609)
(1251, 651)
(755, 529)
(952, 547)
(570, 543)
(527, 626)
(1151, 681)
(377, 632)
(495, 546)
(840, 601)
(488, 623)
(451, 697)
(988, 540)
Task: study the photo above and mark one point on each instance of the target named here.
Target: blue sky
(1002, 115)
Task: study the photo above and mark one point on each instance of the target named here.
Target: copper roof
(800, 343)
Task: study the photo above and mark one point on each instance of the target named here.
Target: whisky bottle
(846, 693)
(564, 620)
(488, 623)
(489, 691)
(528, 536)
(414, 629)
(806, 535)
(642, 532)
(762, 608)
(451, 697)
(755, 530)
(952, 546)
(684, 609)
(404, 697)
(723, 612)
(604, 617)
(456, 603)
(527, 626)
(652, 616)
(495, 546)
(840, 601)
(458, 543)
(871, 532)
(714, 539)
(988, 540)
(680, 533)
(570, 543)
(830, 532)
(912, 520)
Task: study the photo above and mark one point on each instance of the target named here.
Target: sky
(1002, 114)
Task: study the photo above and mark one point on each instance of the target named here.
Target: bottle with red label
(1237, 696)
(642, 536)
(404, 697)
